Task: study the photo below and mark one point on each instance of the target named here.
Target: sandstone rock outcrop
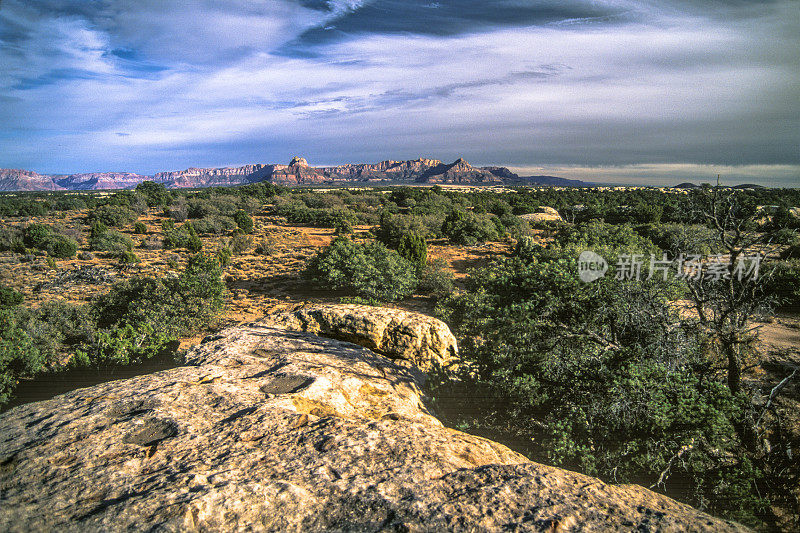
(266, 429)
(410, 338)
(543, 214)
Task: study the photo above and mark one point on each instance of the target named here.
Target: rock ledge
(267, 429)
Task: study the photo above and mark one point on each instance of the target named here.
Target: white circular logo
(591, 266)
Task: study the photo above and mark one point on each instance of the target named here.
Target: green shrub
(69, 203)
(194, 244)
(224, 255)
(183, 237)
(244, 221)
(9, 297)
(214, 224)
(436, 279)
(127, 258)
(32, 340)
(102, 239)
(142, 316)
(18, 354)
(139, 228)
(11, 238)
(319, 217)
(393, 228)
(599, 377)
(463, 227)
(62, 247)
(367, 269)
(47, 239)
(344, 227)
(783, 282)
(682, 238)
(155, 194)
(414, 249)
(37, 236)
(113, 215)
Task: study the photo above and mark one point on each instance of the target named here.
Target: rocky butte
(297, 172)
(270, 427)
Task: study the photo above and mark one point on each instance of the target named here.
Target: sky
(650, 92)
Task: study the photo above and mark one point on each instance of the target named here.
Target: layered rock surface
(409, 338)
(273, 430)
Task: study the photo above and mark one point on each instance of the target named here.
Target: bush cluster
(113, 215)
(599, 377)
(45, 238)
(103, 239)
(367, 269)
(184, 236)
(137, 319)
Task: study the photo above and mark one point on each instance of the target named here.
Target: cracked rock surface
(267, 429)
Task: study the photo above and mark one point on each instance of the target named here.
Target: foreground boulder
(272, 430)
(412, 338)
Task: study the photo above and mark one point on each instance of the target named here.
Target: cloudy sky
(649, 92)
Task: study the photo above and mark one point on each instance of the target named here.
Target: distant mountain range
(297, 172)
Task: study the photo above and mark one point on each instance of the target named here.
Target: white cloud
(672, 89)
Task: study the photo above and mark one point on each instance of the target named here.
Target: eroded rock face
(413, 338)
(273, 430)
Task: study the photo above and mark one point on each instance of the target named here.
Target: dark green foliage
(139, 318)
(62, 247)
(244, 221)
(344, 227)
(183, 237)
(682, 238)
(317, 217)
(224, 255)
(37, 236)
(464, 227)
(113, 215)
(414, 249)
(155, 194)
(143, 316)
(18, 355)
(139, 228)
(11, 238)
(783, 282)
(69, 203)
(47, 239)
(34, 340)
(194, 244)
(127, 258)
(393, 228)
(9, 297)
(102, 239)
(367, 269)
(215, 224)
(599, 377)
